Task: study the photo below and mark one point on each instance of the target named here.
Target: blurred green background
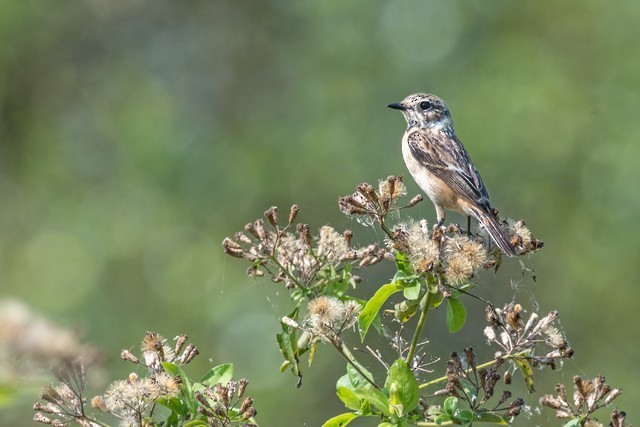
(135, 136)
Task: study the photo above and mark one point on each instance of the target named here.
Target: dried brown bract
(519, 339)
(374, 205)
(294, 256)
(588, 396)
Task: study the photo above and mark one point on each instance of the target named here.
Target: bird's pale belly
(438, 192)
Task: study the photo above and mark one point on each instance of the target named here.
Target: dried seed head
(325, 311)
(514, 316)
(242, 386)
(417, 199)
(293, 213)
(472, 250)
(40, 418)
(128, 356)
(189, 354)
(348, 235)
(180, 342)
(332, 244)
(272, 216)
(232, 248)
(392, 188)
(368, 192)
(246, 404)
(459, 270)
(249, 413)
(304, 233)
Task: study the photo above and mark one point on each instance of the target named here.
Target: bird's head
(424, 110)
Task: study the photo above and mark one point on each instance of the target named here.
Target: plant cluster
(434, 267)
(163, 396)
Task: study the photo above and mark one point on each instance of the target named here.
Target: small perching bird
(441, 166)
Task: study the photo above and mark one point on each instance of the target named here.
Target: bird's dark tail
(497, 235)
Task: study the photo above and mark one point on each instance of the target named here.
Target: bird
(442, 167)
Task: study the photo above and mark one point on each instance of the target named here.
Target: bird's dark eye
(425, 105)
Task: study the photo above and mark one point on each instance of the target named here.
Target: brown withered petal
(367, 191)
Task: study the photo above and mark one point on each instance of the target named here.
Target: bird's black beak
(397, 106)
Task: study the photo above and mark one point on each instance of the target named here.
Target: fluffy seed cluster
(329, 317)
(508, 331)
(450, 254)
(414, 239)
(126, 398)
(464, 256)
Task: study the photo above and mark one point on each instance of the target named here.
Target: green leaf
(375, 397)
(349, 398)
(436, 299)
(219, 374)
(356, 379)
(450, 405)
(173, 403)
(404, 393)
(286, 344)
(412, 292)
(370, 310)
(527, 372)
(456, 314)
(340, 420)
(465, 416)
(403, 265)
(489, 417)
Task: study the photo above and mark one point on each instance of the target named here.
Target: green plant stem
(482, 366)
(289, 275)
(418, 331)
(384, 228)
(348, 356)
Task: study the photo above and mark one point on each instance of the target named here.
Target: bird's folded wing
(445, 157)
